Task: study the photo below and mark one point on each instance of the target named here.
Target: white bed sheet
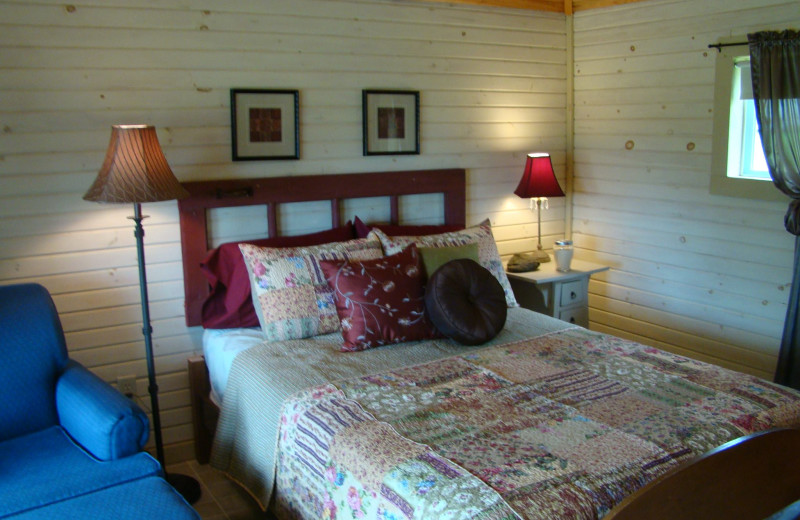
(220, 347)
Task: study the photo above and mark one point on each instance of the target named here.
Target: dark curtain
(775, 66)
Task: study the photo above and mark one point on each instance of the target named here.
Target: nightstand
(562, 295)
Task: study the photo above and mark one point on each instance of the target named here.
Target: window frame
(721, 184)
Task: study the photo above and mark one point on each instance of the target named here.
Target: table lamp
(539, 182)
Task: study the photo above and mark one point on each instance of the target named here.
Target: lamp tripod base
(188, 487)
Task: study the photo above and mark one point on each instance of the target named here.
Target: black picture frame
(265, 124)
(390, 122)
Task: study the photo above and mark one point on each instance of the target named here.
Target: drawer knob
(573, 295)
(572, 319)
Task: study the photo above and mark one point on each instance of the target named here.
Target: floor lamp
(136, 171)
(539, 182)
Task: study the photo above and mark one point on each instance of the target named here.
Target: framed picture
(265, 124)
(391, 122)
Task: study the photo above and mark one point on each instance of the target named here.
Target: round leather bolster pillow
(465, 302)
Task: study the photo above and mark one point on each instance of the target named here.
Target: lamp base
(188, 487)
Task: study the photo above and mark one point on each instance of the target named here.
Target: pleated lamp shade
(135, 169)
(538, 179)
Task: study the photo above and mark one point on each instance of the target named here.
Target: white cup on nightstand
(563, 253)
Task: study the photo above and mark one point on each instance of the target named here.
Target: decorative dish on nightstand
(522, 263)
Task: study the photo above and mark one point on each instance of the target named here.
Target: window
(745, 153)
(738, 165)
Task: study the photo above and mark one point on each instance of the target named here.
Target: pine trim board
(557, 6)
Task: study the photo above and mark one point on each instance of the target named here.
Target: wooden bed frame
(271, 192)
(751, 477)
(770, 457)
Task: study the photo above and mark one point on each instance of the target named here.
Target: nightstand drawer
(576, 315)
(572, 293)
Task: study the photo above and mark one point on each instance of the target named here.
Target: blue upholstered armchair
(65, 435)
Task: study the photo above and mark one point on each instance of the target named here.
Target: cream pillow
(481, 234)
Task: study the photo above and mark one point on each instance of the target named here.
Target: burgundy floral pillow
(380, 301)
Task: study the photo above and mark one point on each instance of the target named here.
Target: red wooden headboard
(273, 191)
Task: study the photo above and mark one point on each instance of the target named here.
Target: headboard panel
(273, 191)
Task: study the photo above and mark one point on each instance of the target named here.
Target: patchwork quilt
(563, 425)
(263, 377)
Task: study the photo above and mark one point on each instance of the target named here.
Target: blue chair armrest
(99, 418)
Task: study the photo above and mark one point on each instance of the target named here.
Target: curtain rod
(719, 46)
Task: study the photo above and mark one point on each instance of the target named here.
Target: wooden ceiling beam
(556, 6)
(583, 5)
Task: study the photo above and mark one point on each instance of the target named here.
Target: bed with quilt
(391, 375)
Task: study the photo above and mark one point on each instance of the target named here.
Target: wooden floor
(221, 498)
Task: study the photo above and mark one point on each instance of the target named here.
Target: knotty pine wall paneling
(694, 273)
(492, 85)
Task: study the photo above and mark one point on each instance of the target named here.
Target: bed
(543, 420)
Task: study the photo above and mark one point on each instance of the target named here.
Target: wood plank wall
(492, 85)
(694, 273)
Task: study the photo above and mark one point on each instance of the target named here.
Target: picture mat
(245, 148)
(406, 144)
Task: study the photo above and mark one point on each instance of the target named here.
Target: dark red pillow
(380, 301)
(229, 305)
(362, 230)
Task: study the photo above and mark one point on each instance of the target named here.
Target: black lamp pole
(147, 330)
(188, 487)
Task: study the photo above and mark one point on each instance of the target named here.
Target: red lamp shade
(135, 169)
(538, 180)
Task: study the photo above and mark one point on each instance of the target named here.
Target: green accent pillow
(435, 257)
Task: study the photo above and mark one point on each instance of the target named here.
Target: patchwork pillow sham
(380, 301)
(481, 234)
(229, 304)
(362, 229)
(289, 290)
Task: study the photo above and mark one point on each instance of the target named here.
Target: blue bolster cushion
(106, 423)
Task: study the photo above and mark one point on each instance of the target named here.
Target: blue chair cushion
(32, 355)
(149, 498)
(47, 466)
